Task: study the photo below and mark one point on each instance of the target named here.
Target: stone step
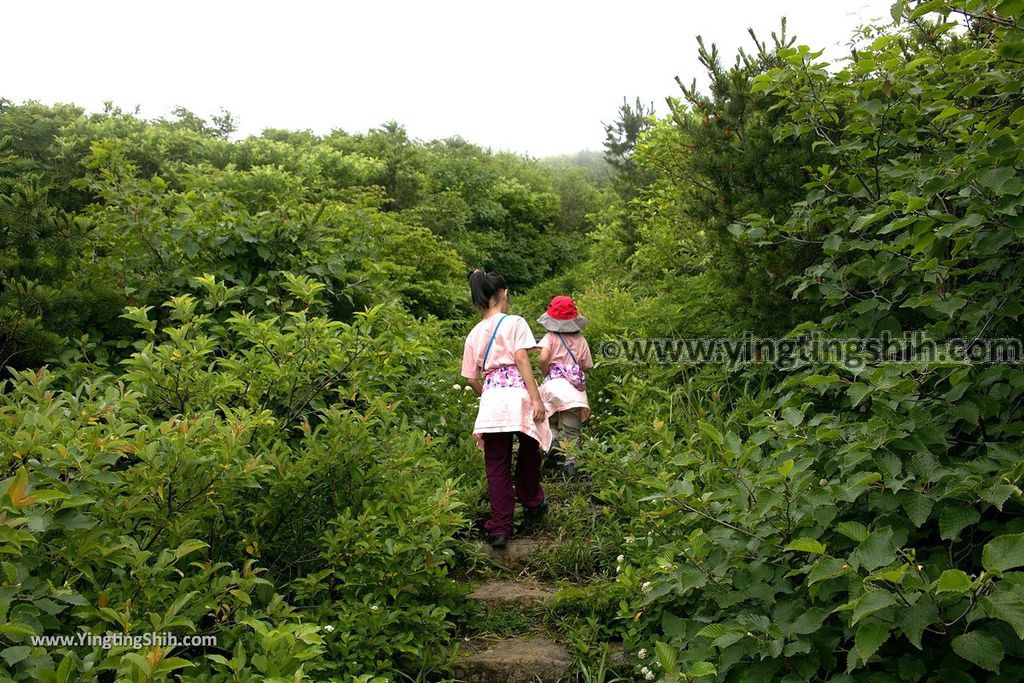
(514, 553)
(517, 660)
(500, 592)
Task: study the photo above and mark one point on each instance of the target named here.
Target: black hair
(484, 286)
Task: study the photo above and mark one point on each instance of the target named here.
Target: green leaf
(869, 638)
(1004, 552)
(808, 622)
(806, 545)
(999, 494)
(701, 669)
(870, 602)
(666, 655)
(914, 619)
(1011, 9)
(1002, 181)
(786, 467)
(13, 655)
(980, 648)
(1007, 603)
(876, 551)
(189, 547)
(853, 530)
(794, 416)
(954, 518)
(953, 581)
(918, 506)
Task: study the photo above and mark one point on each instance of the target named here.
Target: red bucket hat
(562, 316)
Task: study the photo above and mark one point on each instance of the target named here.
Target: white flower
(642, 654)
(645, 670)
(630, 540)
(620, 559)
(467, 388)
(457, 387)
(649, 676)
(823, 482)
(646, 587)
(374, 608)
(329, 628)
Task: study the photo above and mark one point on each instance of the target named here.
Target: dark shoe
(569, 470)
(497, 542)
(532, 517)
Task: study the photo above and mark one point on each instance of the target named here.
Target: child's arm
(586, 359)
(545, 360)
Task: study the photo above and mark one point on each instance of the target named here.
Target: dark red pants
(500, 487)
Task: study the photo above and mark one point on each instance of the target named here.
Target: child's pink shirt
(558, 354)
(558, 393)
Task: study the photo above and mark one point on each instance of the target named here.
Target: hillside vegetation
(230, 408)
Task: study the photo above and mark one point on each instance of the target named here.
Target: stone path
(520, 657)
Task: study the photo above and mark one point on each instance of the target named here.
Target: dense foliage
(230, 408)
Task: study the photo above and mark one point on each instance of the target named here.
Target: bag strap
(483, 365)
(571, 354)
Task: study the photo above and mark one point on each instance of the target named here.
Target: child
(564, 357)
(510, 405)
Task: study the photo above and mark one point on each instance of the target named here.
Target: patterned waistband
(504, 376)
(570, 372)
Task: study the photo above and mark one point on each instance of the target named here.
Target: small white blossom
(630, 540)
(642, 654)
(620, 559)
(645, 670)
(374, 608)
(649, 676)
(329, 628)
(646, 587)
(823, 482)
(457, 387)
(467, 388)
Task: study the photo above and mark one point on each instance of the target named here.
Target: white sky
(531, 77)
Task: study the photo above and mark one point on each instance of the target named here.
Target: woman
(510, 405)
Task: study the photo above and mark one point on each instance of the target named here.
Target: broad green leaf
(876, 551)
(979, 648)
(953, 581)
(870, 602)
(666, 655)
(808, 622)
(793, 416)
(914, 619)
(853, 530)
(1004, 552)
(918, 506)
(1007, 603)
(954, 518)
(806, 545)
(869, 638)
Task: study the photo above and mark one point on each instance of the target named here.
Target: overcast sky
(532, 77)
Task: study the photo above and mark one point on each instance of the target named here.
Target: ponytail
(484, 286)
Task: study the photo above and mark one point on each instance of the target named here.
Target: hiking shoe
(497, 542)
(532, 517)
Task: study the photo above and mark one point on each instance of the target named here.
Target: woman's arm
(526, 370)
(475, 383)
